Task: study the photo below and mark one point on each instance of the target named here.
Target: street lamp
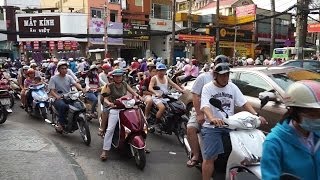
(235, 42)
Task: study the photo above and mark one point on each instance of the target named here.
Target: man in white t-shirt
(230, 96)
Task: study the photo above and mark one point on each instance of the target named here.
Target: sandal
(101, 132)
(104, 156)
(192, 163)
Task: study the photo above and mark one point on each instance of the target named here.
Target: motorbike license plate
(5, 101)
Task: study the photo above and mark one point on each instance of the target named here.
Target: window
(252, 85)
(311, 65)
(96, 13)
(113, 16)
(138, 2)
(161, 11)
(114, 1)
(294, 63)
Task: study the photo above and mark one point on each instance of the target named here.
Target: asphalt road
(166, 161)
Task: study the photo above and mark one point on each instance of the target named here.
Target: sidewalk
(26, 155)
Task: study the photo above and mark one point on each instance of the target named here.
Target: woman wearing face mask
(293, 146)
(92, 88)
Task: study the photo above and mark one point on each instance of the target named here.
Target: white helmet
(62, 63)
(70, 59)
(305, 94)
(116, 62)
(92, 67)
(140, 60)
(187, 60)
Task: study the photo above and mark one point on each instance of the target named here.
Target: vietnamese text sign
(197, 38)
(246, 10)
(39, 24)
(314, 28)
(136, 29)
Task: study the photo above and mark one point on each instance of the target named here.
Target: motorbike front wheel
(84, 130)
(140, 158)
(181, 132)
(3, 115)
(11, 100)
(43, 112)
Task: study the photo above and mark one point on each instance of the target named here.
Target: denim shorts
(212, 142)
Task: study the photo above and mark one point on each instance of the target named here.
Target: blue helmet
(161, 67)
(117, 72)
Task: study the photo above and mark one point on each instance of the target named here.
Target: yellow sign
(242, 48)
(244, 19)
(227, 20)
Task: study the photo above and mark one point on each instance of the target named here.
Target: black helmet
(221, 59)
(222, 68)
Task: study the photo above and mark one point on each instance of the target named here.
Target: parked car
(309, 64)
(254, 80)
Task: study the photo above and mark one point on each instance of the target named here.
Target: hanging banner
(60, 45)
(74, 45)
(51, 45)
(67, 45)
(36, 45)
(28, 45)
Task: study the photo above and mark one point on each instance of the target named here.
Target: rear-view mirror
(265, 97)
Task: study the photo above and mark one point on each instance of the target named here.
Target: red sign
(197, 38)
(313, 28)
(60, 45)
(74, 45)
(246, 10)
(51, 45)
(36, 45)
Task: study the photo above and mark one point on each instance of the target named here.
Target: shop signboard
(228, 34)
(136, 29)
(246, 10)
(38, 24)
(313, 28)
(74, 45)
(96, 26)
(160, 24)
(245, 19)
(195, 38)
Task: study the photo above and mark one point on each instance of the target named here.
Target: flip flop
(103, 157)
(192, 163)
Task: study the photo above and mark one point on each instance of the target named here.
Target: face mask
(311, 125)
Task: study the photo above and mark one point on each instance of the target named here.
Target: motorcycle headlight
(128, 103)
(74, 96)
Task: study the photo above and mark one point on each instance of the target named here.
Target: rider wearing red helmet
(103, 76)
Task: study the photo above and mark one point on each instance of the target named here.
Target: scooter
(5, 86)
(243, 145)
(131, 132)
(15, 88)
(175, 117)
(75, 116)
(6, 98)
(40, 101)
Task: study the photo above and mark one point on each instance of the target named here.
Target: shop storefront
(160, 45)
(34, 43)
(135, 46)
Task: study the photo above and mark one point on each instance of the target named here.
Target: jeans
(29, 98)
(112, 122)
(93, 97)
(62, 108)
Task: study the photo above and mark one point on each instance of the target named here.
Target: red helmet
(194, 61)
(31, 71)
(106, 67)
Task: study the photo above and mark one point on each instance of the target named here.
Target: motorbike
(40, 103)
(75, 116)
(131, 131)
(5, 87)
(15, 88)
(242, 146)
(175, 117)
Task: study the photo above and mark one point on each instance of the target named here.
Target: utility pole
(301, 29)
(189, 28)
(105, 12)
(173, 34)
(217, 29)
(273, 28)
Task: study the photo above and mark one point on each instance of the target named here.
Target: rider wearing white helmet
(69, 71)
(293, 146)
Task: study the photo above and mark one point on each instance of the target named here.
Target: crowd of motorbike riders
(300, 155)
